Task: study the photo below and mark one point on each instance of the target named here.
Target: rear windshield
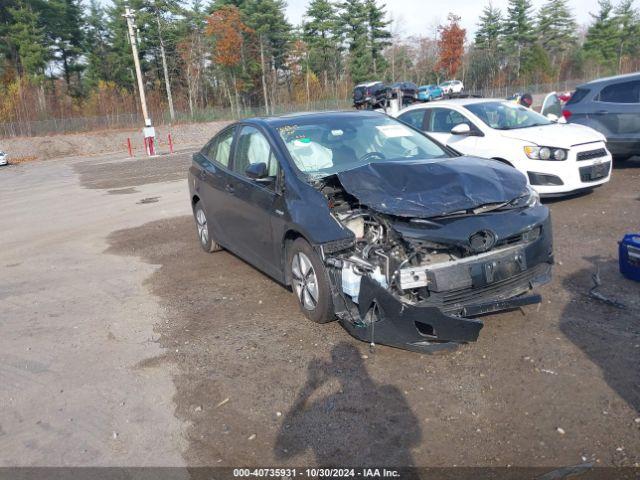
(578, 95)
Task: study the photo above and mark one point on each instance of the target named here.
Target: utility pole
(128, 15)
(164, 67)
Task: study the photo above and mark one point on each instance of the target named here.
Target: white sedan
(557, 158)
(3, 158)
(452, 86)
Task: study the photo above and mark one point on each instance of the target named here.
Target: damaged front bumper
(381, 317)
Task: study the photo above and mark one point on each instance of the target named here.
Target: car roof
(311, 116)
(615, 78)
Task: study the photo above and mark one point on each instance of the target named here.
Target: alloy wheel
(305, 282)
(203, 231)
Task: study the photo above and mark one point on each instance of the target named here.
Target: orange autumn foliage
(226, 26)
(451, 46)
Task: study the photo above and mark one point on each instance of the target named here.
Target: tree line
(62, 58)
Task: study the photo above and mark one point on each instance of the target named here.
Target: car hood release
(427, 189)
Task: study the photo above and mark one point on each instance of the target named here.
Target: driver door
(439, 121)
(256, 205)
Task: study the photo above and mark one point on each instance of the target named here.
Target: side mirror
(256, 171)
(552, 117)
(461, 129)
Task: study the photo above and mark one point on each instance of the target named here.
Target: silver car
(4, 158)
(612, 107)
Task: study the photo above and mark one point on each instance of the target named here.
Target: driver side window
(253, 147)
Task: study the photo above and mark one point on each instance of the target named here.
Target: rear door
(617, 109)
(258, 205)
(213, 179)
(439, 121)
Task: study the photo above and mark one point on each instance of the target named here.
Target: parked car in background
(373, 222)
(408, 90)
(557, 158)
(370, 95)
(452, 86)
(427, 93)
(3, 158)
(612, 107)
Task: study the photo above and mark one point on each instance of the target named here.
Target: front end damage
(418, 283)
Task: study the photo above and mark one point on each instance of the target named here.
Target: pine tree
(27, 40)
(601, 42)
(353, 24)
(319, 33)
(267, 18)
(119, 59)
(379, 34)
(62, 21)
(628, 31)
(556, 30)
(519, 34)
(96, 46)
(490, 28)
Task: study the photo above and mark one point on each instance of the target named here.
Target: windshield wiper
(480, 209)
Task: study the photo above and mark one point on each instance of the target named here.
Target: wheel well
(289, 237)
(503, 161)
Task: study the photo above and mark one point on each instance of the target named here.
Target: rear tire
(204, 230)
(310, 282)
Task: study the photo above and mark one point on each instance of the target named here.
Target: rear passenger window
(626, 92)
(577, 96)
(219, 149)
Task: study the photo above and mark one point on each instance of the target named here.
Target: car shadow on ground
(609, 336)
(357, 422)
(633, 162)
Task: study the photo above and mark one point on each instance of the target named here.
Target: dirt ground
(184, 136)
(244, 379)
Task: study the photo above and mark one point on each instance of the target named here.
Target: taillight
(566, 114)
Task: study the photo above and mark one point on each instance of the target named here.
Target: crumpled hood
(561, 135)
(430, 188)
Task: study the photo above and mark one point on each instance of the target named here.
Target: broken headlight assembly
(531, 199)
(546, 153)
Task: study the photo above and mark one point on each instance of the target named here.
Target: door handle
(602, 112)
(229, 188)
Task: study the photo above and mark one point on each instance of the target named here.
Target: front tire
(204, 231)
(310, 282)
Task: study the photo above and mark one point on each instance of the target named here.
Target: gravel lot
(122, 343)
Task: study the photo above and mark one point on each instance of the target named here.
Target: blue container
(629, 253)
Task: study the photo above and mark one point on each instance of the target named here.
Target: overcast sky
(413, 17)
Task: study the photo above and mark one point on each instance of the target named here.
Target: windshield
(325, 147)
(506, 115)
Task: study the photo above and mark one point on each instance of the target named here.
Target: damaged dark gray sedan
(373, 223)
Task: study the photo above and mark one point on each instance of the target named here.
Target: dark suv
(612, 107)
(408, 90)
(370, 95)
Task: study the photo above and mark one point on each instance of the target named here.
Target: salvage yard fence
(53, 126)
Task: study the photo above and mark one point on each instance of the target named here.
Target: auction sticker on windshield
(393, 131)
